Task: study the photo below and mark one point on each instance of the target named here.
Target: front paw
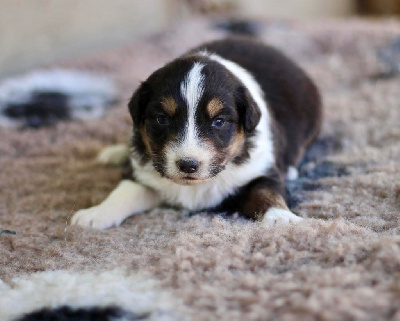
(114, 155)
(98, 217)
(280, 215)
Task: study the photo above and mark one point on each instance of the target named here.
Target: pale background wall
(34, 32)
(298, 8)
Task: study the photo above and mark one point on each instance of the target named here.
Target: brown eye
(218, 122)
(162, 120)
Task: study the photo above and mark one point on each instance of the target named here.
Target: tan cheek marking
(260, 200)
(145, 139)
(234, 149)
(214, 107)
(237, 144)
(169, 105)
(209, 145)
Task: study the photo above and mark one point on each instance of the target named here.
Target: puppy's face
(192, 117)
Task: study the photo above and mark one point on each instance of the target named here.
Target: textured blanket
(342, 262)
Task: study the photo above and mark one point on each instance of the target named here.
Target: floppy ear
(138, 103)
(249, 112)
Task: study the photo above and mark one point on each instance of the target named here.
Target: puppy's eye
(218, 122)
(162, 120)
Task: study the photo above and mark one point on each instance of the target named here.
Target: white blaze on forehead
(192, 89)
(190, 146)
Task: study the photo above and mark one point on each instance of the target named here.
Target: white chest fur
(207, 194)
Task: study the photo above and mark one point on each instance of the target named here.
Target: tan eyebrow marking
(169, 105)
(214, 107)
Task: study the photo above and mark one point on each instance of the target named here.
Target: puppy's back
(292, 98)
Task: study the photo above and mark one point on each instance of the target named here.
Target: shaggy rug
(342, 262)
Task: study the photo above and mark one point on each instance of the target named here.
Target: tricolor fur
(216, 129)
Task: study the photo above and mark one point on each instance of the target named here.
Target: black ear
(249, 112)
(138, 103)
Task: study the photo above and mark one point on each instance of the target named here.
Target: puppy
(217, 129)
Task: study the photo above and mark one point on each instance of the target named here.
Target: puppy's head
(192, 117)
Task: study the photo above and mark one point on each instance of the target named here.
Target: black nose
(188, 165)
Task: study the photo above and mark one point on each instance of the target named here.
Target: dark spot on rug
(314, 171)
(43, 109)
(240, 27)
(388, 57)
(84, 314)
(7, 232)
(325, 145)
(313, 167)
(43, 98)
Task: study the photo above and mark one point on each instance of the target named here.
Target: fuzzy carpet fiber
(342, 262)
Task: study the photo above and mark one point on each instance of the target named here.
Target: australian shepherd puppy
(217, 129)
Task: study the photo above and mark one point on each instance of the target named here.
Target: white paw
(279, 215)
(292, 173)
(98, 217)
(114, 155)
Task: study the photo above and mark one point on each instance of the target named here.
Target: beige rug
(341, 263)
